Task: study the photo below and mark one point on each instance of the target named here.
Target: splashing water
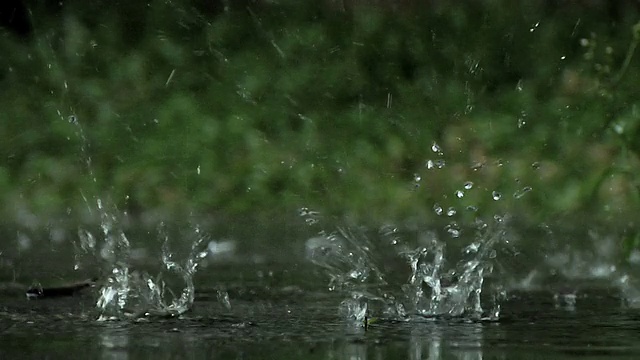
(355, 267)
(127, 293)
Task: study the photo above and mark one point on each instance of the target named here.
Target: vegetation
(374, 112)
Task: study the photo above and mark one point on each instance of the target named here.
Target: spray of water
(434, 287)
(451, 269)
(125, 292)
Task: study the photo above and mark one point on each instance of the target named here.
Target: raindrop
(453, 230)
(535, 165)
(477, 166)
(534, 27)
(429, 164)
(73, 119)
(198, 170)
(496, 195)
(520, 193)
(459, 194)
(451, 211)
(468, 185)
(521, 122)
(436, 148)
(472, 208)
(417, 178)
(519, 85)
(437, 209)
(440, 163)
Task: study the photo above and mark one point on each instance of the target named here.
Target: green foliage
(271, 107)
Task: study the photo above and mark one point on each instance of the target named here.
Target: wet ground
(291, 322)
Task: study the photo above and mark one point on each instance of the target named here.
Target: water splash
(129, 293)
(359, 265)
(136, 294)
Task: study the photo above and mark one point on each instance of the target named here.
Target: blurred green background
(378, 111)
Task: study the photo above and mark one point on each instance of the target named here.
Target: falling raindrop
(437, 209)
(459, 194)
(451, 211)
(436, 148)
(534, 27)
(416, 181)
(429, 164)
(496, 195)
(520, 193)
(453, 229)
(521, 123)
(468, 185)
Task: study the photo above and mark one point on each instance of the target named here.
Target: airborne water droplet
(436, 148)
(468, 185)
(534, 27)
(453, 230)
(437, 209)
(496, 195)
(520, 193)
(459, 194)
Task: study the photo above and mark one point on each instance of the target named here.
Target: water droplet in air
(417, 178)
(520, 193)
(429, 164)
(535, 165)
(468, 185)
(437, 209)
(521, 122)
(453, 230)
(534, 27)
(436, 148)
(451, 211)
(459, 194)
(198, 170)
(496, 195)
(72, 119)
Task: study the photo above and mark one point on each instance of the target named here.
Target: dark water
(268, 320)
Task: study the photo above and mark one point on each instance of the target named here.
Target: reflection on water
(306, 326)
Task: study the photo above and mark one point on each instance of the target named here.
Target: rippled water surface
(284, 315)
